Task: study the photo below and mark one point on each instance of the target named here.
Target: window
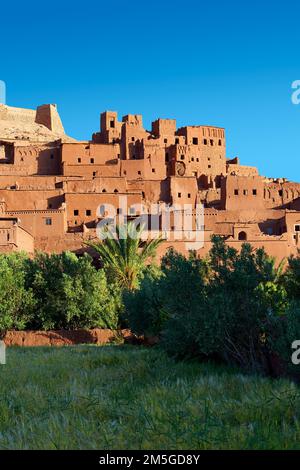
(254, 192)
(297, 228)
(79, 160)
(104, 190)
(280, 192)
(94, 173)
(245, 192)
(209, 166)
(220, 142)
(88, 212)
(195, 140)
(76, 212)
(112, 123)
(197, 159)
(116, 191)
(176, 141)
(92, 160)
(48, 221)
(211, 142)
(132, 138)
(165, 141)
(22, 159)
(182, 157)
(153, 170)
(124, 172)
(205, 141)
(236, 192)
(192, 159)
(242, 236)
(139, 172)
(179, 194)
(189, 195)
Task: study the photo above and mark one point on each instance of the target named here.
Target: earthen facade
(51, 186)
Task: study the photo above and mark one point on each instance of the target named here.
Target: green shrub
(70, 293)
(184, 301)
(16, 302)
(143, 308)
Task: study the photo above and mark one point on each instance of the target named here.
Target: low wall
(64, 337)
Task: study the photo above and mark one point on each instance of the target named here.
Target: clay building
(52, 187)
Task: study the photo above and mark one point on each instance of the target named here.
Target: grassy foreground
(125, 397)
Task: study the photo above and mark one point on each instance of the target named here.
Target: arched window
(242, 236)
(116, 191)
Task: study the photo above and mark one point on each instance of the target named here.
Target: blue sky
(229, 64)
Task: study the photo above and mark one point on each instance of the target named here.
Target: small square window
(192, 159)
(297, 228)
(197, 159)
(236, 192)
(176, 141)
(124, 172)
(153, 170)
(254, 192)
(245, 192)
(280, 192)
(165, 141)
(189, 195)
(209, 166)
(133, 139)
(48, 221)
(182, 157)
(88, 212)
(76, 212)
(94, 173)
(139, 172)
(195, 140)
(179, 194)
(205, 141)
(211, 142)
(79, 160)
(112, 123)
(220, 142)
(92, 160)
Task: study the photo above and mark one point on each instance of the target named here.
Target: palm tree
(124, 254)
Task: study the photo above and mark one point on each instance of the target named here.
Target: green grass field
(126, 397)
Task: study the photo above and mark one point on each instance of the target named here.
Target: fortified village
(51, 186)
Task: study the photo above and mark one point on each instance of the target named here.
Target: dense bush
(70, 293)
(226, 306)
(144, 312)
(16, 301)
